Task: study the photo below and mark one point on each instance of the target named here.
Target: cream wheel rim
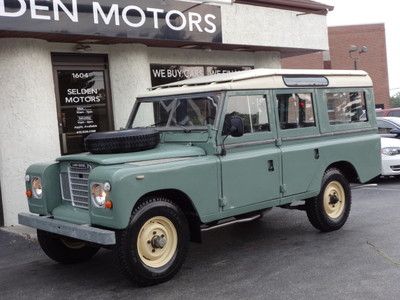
(334, 199)
(72, 244)
(157, 242)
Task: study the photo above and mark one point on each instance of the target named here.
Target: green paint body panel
(162, 151)
(243, 180)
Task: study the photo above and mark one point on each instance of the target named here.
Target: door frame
(288, 138)
(73, 61)
(245, 143)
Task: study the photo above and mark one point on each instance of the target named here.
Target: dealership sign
(129, 19)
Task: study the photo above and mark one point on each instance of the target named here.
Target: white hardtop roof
(257, 79)
(257, 73)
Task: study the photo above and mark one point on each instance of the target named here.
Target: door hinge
(283, 189)
(278, 142)
(222, 201)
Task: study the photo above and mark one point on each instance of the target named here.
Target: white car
(390, 149)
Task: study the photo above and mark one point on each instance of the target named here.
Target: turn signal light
(28, 193)
(108, 204)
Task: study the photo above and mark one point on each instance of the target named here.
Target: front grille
(395, 168)
(65, 189)
(75, 185)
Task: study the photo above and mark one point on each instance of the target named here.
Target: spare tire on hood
(130, 140)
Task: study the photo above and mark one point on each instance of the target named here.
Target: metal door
(251, 168)
(298, 132)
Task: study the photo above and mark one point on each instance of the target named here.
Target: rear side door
(251, 168)
(298, 133)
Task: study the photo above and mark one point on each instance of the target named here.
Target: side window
(394, 113)
(346, 107)
(296, 110)
(252, 109)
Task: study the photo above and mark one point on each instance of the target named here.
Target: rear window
(346, 107)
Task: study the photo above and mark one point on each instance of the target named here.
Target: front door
(83, 99)
(251, 168)
(298, 131)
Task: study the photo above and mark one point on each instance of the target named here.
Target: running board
(301, 207)
(227, 223)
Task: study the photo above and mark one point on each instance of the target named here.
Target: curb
(23, 231)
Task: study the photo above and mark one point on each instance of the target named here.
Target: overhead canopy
(160, 23)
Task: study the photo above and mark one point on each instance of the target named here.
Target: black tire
(127, 252)
(56, 247)
(131, 140)
(317, 212)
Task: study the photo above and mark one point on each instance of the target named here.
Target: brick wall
(340, 40)
(305, 61)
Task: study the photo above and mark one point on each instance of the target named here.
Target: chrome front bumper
(80, 232)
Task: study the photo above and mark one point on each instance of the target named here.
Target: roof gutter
(304, 6)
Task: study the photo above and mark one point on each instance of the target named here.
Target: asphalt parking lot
(278, 257)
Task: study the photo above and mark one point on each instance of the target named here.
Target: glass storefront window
(83, 106)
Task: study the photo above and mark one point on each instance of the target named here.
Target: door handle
(271, 167)
(316, 153)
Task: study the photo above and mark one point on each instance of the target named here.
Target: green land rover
(204, 153)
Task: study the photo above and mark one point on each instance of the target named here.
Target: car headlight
(99, 193)
(37, 188)
(391, 151)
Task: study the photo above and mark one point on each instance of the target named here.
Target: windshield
(188, 111)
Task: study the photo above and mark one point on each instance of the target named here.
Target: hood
(390, 142)
(162, 151)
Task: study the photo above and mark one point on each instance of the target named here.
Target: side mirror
(237, 126)
(395, 131)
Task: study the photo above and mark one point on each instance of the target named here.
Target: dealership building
(72, 67)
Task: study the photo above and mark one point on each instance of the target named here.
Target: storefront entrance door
(83, 98)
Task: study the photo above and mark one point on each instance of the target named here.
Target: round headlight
(107, 186)
(37, 187)
(98, 195)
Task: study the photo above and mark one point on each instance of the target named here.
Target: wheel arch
(184, 202)
(347, 169)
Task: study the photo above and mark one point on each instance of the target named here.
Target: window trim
(303, 131)
(327, 127)
(161, 98)
(348, 91)
(285, 77)
(291, 92)
(252, 137)
(267, 113)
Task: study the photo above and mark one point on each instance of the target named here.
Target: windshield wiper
(155, 124)
(185, 129)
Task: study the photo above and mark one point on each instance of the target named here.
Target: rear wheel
(65, 250)
(153, 247)
(331, 208)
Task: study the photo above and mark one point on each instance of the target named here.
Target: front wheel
(153, 247)
(331, 208)
(65, 250)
